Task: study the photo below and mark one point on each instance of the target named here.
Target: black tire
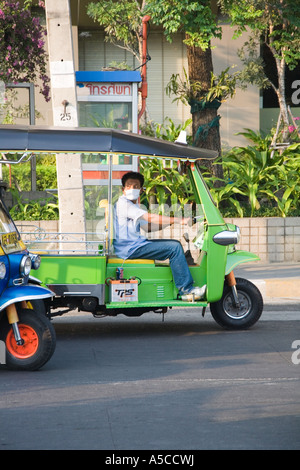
(40, 341)
(38, 306)
(246, 315)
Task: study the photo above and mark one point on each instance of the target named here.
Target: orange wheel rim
(30, 346)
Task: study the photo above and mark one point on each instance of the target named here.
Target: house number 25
(65, 116)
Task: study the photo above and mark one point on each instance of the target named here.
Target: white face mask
(132, 194)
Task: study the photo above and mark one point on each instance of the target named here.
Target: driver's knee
(175, 247)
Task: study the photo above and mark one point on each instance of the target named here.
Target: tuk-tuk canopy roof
(93, 140)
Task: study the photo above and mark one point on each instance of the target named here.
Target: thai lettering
(111, 89)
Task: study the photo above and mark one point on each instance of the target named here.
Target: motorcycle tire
(39, 341)
(227, 315)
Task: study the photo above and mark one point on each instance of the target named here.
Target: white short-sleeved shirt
(127, 222)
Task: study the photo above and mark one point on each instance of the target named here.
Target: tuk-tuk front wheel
(39, 339)
(242, 316)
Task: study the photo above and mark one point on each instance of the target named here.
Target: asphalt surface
(133, 384)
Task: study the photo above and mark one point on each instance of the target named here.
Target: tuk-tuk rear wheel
(39, 341)
(233, 317)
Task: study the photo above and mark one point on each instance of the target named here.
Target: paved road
(137, 383)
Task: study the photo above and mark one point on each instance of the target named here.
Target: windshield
(6, 223)
(10, 238)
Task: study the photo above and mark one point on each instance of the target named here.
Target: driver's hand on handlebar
(187, 221)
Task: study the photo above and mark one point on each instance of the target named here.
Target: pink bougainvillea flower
(22, 49)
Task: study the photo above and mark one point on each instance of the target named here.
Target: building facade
(92, 53)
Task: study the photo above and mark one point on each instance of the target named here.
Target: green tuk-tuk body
(89, 282)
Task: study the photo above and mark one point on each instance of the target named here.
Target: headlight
(25, 265)
(227, 237)
(2, 270)
(35, 260)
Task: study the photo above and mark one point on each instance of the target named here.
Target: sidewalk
(276, 281)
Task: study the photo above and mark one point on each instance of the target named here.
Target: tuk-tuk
(27, 337)
(91, 282)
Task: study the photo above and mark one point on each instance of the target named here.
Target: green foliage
(222, 87)
(253, 65)
(92, 197)
(165, 185)
(195, 19)
(121, 22)
(255, 184)
(45, 174)
(277, 25)
(42, 209)
(260, 140)
(115, 65)
(166, 131)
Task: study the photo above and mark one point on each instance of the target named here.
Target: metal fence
(38, 240)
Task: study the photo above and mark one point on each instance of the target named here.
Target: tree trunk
(206, 132)
(280, 64)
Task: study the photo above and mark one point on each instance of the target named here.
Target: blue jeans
(172, 250)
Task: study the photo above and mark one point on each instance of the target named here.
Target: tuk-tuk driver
(129, 243)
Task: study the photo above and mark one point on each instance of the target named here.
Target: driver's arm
(157, 222)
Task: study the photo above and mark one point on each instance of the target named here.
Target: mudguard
(238, 257)
(19, 293)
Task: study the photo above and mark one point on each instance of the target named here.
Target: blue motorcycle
(27, 337)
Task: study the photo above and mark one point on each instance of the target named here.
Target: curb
(274, 289)
(276, 281)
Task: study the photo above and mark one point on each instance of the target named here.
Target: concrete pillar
(64, 107)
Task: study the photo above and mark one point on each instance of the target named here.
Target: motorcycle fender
(238, 257)
(34, 280)
(20, 293)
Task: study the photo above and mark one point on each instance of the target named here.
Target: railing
(39, 240)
